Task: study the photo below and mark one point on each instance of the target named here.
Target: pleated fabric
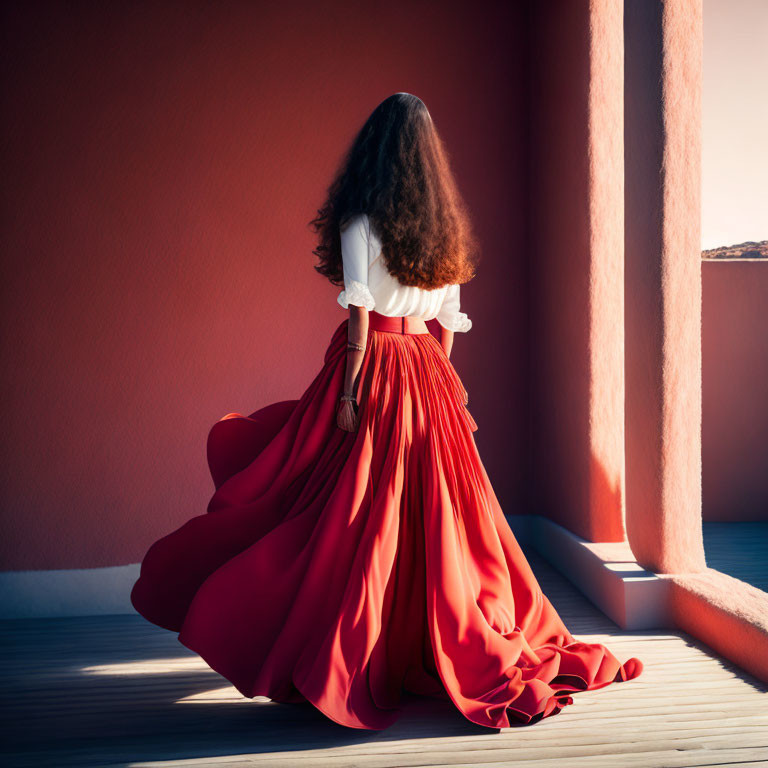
(345, 568)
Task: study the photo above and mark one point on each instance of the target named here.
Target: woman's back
(367, 283)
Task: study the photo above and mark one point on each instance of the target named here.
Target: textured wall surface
(160, 164)
(576, 267)
(735, 377)
(663, 283)
(606, 279)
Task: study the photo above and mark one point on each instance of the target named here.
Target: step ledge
(604, 572)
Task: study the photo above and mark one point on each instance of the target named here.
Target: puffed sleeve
(449, 316)
(354, 254)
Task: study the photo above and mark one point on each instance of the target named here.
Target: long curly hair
(397, 172)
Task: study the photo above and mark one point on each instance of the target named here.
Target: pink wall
(662, 257)
(160, 162)
(735, 376)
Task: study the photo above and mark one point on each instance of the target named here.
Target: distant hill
(748, 250)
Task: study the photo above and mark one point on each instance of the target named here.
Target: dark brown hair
(397, 172)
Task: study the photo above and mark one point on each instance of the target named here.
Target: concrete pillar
(662, 120)
(605, 153)
(576, 266)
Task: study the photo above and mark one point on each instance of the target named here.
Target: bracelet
(351, 398)
(353, 345)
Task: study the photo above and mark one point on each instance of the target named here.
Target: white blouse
(367, 283)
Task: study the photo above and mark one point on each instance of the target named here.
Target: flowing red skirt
(343, 568)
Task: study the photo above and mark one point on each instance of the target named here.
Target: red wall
(559, 265)
(735, 375)
(160, 163)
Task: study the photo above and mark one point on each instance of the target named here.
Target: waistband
(393, 324)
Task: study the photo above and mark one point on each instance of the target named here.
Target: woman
(354, 548)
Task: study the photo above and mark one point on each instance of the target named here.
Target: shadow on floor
(116, 690)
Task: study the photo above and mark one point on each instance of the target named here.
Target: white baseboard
(76, 592)
(606, 573)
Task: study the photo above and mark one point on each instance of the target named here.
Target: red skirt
(345, 568)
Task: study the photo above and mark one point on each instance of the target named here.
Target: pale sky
(735, 123)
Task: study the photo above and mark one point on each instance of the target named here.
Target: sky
(735, 122)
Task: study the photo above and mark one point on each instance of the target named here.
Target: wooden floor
(117, 691)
